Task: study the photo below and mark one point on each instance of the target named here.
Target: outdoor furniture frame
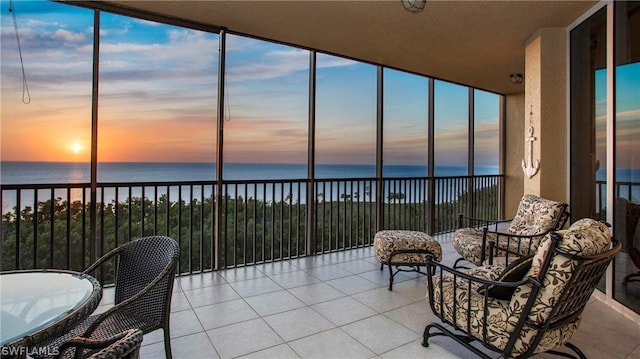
(58, 327)
(404, 248)
(145, 274)
(544, 311)
(125, 345)
(521, 234)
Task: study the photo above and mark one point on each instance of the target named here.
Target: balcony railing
(51, 225)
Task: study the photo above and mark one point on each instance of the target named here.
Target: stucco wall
(545, 110)
(514, 129)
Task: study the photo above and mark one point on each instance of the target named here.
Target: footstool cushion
(388, 241)
(404, 248)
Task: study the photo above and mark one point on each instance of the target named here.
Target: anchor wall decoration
(530, 168)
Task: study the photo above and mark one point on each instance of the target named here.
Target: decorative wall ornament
(530, 168)
(414, 5)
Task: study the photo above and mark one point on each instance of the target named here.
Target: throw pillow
(514, 272)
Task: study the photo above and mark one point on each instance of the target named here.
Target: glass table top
(29, 301)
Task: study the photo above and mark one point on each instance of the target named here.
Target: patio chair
(144, 280)
(520, 235)
(627, 218)
(515, 315)
(125, 345)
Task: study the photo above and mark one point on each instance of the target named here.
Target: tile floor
(333, 306)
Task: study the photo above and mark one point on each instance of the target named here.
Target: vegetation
(56, 233)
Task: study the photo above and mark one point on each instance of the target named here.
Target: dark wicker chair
(144, 281)
(535, 217)
(543, 309)
(125, 345)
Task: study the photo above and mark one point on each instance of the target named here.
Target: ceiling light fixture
(414, 5)
(517, 78)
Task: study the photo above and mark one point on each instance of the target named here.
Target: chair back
(568, 266)
(537, 215)
(140, 263)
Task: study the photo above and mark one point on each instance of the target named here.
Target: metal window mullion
(379, 148)
(470, 151)
(191, 224)
(201, 264)
(311, 160)
(431, 157)
(217, 250)
(246, 222)
(179, 227)
(93, 215)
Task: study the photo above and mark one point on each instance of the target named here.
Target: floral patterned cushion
(585, 237)
(535, 215)
(468, 243)
(499, 326)
(385, 242)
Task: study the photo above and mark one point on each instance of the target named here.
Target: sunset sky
(158, 90)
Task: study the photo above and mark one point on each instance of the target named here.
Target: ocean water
(114, 172)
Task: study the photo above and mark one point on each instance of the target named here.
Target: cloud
(68, 36)
(273, 64)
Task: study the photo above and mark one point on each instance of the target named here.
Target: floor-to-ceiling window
(588, 117)
(266, 111)
(156, 123)
(486, 132)
(591, 121)
(46, 83)
(626, 282)
(141, 104)
(157, 100)
(405, 126)
(451, 129)
(345, 118)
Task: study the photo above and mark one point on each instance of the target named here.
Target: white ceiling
(477, 43)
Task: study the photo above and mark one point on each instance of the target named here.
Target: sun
(76, 148)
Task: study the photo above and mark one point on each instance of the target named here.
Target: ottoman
(402, 248)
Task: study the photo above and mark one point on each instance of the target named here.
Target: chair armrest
(87, 343)
(466, 281)
(464, 221)
(433, 266)
(102, 259)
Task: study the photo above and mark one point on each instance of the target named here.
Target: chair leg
(464, 340)
(167, 343)
(391, 275)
